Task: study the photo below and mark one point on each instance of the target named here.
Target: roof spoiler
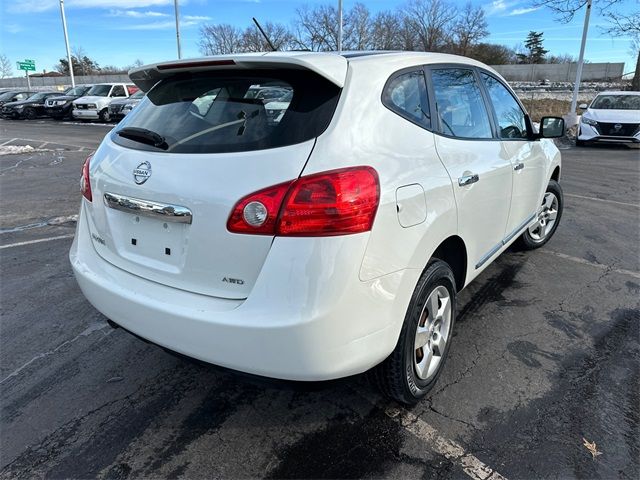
(333, 67)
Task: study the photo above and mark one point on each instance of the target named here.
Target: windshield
(224, 111)
(76, 91)
(7, 96)
(616, 102)
(99, 90)
(37, 96)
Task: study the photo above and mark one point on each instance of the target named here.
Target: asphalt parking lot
(546, 353)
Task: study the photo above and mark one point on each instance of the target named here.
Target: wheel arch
(453, 251)
(556, 174)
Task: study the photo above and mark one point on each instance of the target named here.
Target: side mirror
(551, 127)
(583, 106)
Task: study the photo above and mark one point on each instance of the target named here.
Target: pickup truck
(95, 104)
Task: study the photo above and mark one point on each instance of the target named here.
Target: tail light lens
(245, 217)
(338, 202)
(85, 184)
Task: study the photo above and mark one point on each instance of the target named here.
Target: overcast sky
(117, 32)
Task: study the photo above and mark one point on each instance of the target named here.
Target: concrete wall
(564, 72)
(60, 83)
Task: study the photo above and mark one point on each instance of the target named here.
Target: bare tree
(386, 30)
(619, 24)
(278, 34)
(567, 9)
(431, 21)
(357, 28)
(493, 54)
(6, 70)
(563, 58)
(220, 39)
(627, 25)
(316, 29)
(469, 28)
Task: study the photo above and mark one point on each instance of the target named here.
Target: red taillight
(338, 202)
(85, 184)
(270, 198)
(332, 203)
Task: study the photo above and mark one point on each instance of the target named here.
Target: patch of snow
(19, 149)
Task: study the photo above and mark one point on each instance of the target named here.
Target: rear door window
(227, 111)
(461, 109)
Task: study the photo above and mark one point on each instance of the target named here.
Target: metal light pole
(175, 2)
(574, 100)
(339, 26)
(66, 42)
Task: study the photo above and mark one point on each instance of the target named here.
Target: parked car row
(82, 102)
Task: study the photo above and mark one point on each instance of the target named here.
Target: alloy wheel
(432, 333)
(547, 214)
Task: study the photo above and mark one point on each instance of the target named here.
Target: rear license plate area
(150, 242)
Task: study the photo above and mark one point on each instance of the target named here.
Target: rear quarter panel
(365, 132)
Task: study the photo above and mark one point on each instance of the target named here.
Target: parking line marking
(8, 141)
(39, 240)
(592, 264)
(595, 199)
(471, 465)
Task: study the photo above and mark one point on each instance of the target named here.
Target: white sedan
(327, 243)
(612, 117)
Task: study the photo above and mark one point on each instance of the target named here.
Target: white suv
(94, 105)
(322, 242)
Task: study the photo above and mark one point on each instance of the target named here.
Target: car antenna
(264, 35)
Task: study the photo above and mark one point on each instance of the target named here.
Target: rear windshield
(616, 102)
(227, 111)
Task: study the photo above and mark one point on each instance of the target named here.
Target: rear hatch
(166, 179)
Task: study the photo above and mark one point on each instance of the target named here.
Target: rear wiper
(142, 135)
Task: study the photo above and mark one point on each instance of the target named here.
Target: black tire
(580, 143)
(30, 113)
(396, 376)
(526, 240)
(104, 115)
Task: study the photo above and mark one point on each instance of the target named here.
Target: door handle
(519, 166)
(468, 180)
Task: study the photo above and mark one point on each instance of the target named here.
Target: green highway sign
(26, 66)
(32, 62)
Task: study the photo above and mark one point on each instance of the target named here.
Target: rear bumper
(308, 316)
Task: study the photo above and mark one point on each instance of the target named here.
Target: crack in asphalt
(85, 333)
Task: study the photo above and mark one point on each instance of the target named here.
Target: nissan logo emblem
(142, 173)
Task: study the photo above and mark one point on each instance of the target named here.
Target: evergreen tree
(536, 51)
